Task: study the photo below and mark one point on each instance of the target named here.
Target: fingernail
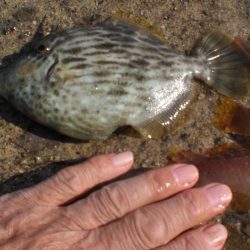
(185, 174)
(219, 196)
(215, 235)
(123, 159)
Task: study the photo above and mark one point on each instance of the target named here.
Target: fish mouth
(51, 69)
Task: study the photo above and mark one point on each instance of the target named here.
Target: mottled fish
(87, 82)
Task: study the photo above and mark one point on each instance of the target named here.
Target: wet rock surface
(30, 153)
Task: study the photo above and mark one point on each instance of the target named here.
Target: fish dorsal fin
(139, 22)
(158, 126)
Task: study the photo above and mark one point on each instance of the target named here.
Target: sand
(30, 153)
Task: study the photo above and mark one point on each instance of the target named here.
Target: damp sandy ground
(29, 153)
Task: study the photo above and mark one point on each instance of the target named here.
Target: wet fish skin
(88, 82)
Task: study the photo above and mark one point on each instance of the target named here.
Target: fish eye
(42, 48)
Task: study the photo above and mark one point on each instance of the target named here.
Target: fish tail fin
(228, 63)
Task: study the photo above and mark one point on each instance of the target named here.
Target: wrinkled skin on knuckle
(97, 240)
(154, 183)
(8, 202)
(34, 243)
(12, 228)
(48, 242)
(32, 219)
(54, 234)
(99, 161)
(72, 222)
(7, 230)
(59, 240)
(150, 229)
(13, 244)
(14, 218)
(111, 201)
(92, 169)
(4, 213)
(67, 180)
(18, 223)
(190, 204)
(28, 197)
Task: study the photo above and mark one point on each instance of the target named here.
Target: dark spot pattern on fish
(165, 63)
(58, 40)
(124, 39)
(56, 92)
(73, 51)
(140, 62)
(95, 53)
(73, 59)
(140, 77)
(111, 36)
(91, 33)
(130, 32)
(103, 62)
(116, 64)
(120, 51)
(105, 46)
(80, 66)
(117, 92)
(102, 73)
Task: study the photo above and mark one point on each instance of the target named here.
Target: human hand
(152, 210)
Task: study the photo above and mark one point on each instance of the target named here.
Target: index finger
(72, 182)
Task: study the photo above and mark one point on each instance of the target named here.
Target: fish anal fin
(128, 131)
(150, 130)
(170, 118)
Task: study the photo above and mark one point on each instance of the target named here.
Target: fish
(87, 82)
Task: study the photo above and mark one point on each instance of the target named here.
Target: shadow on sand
(31, 178)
